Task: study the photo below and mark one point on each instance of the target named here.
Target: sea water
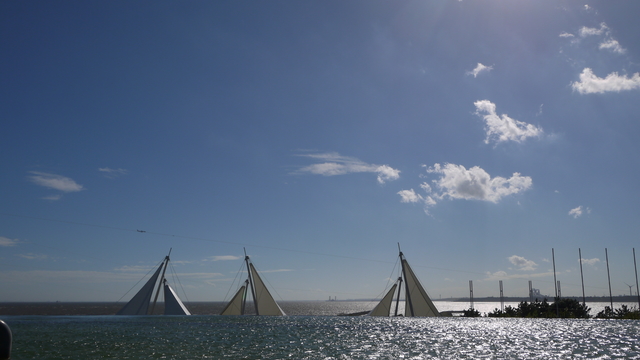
(321, 336)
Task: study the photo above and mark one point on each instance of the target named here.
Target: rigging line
(234, 281)
(267, 280)
(386, 287)
(174, 276)
(152, 269)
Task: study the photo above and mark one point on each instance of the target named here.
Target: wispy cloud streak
(53, 181)
(335, 164)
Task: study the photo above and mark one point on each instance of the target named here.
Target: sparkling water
(319, 337)
(312, 332)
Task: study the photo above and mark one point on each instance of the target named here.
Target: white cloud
(587, 31)
(222, 258)
(577, 212)
(479, 69)
(409, 196)
(613, 45)
(113, 173)
(386, 173)
(503, 128)
(502, 275)
(522, 263)
(8, 242)
(591, 262)
(457, 182)
(336, 164)
(566, 35)
(589, 83)
(53, 181)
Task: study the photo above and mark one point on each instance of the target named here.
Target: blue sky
(318, 134)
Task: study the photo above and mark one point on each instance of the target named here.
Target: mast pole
(636, 269)
(407, 293)
(555, 282)
(244, 297)
(398, 296)
(582, 277)
(606, 254)
(166, 263)
(253, 291)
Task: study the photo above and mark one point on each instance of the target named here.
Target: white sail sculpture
(236, 305)
(263, 301)
(172, 303)
(139, 304)
(417, 301)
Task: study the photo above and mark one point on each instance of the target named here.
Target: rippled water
(319, 337)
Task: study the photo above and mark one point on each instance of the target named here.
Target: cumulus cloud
(457, 182)
(8, 242)
(591, 262)
(577, 212)
(409, 196)
(587, 31)
(590, 83)
(112, 173)
(522, 264)
(566, 35)
(53, 181)
(613, 45)
(479, 69)
(503, 128)
(335, 164)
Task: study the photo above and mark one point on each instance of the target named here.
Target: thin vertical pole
(606, 254)
(553, 257)
(398, 296)
(582, 277)
(555, 282)
(636, 269)
(166, 263)
(407, 294)
(253, 291)
(559, 290)
(501, 297)
(471, 292)
(244, 297)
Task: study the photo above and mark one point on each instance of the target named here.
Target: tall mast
(635, 267)
(244, 297)
(398, 296)
(407, 293)
(166, 263)
(582, 277)
(606, 254)
(253, 291)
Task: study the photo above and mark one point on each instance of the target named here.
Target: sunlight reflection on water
(320, 337)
